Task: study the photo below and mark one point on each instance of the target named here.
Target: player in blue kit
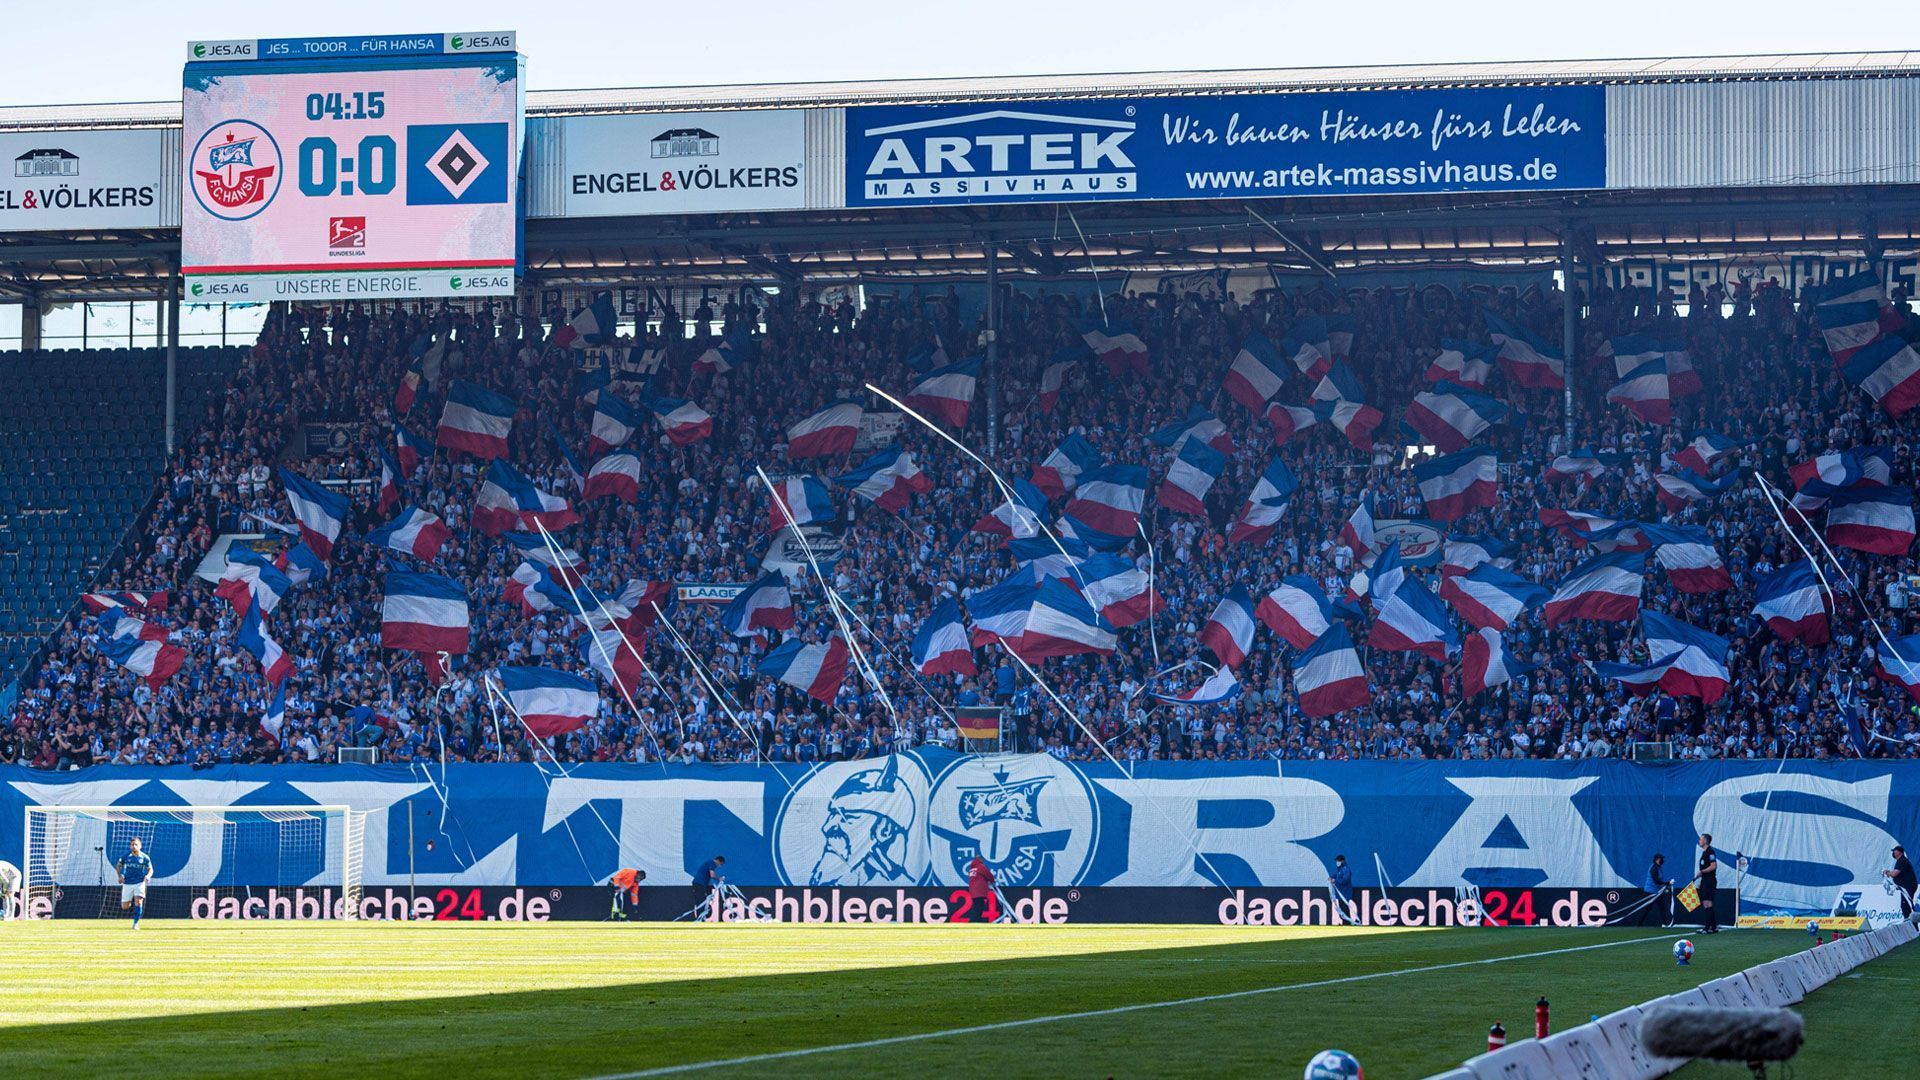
(135, 868)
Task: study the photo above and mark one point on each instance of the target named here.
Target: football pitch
(595, 1000)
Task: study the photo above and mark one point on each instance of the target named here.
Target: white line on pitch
(892, 1040)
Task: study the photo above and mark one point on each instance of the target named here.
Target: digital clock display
(355, 178)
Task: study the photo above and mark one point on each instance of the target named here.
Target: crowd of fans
(702, 517)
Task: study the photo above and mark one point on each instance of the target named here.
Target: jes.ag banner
(1811, 833)
(1237, 146)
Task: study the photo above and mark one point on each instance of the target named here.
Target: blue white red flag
(549, 702)
(946, 394)
(830, 432)
(816, 670)
(940, 646)
(424, 613)
(320, 513)
(475, 421)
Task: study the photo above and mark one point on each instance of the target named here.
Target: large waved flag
(946, 394)
(154, 661)
(1357, 534)
(721, 357)
(1704, 451)
(816, 670)
(1605, 588)
(614, 422)
(1110, 498)
(275, 719)
(424, 613)
(1411, 619)
(1889, 371)
(1062, 623)
(1229, 630)
(1055, 377)
(390, 494)
(1462, 553)
(1061, 470)
(1190, 477)
(408, 390)
(1257, 372)
(889, 479)
(1457, 484)
(1045, 557)
(1485, 663)
(1585, 464)
(1297, 609)
(1307, 345)
(1526, 358)
(1451, 416)
(1684, 487)
(251, 580)
(1646, 393)
(411, 450)
(549, 702)
(1121, 592)
(799, 500)
(1289, 420)
(1851, 314)
(1259, 518)
(1463, 363)
(1339, 384)
(999, 612)
(1687, 661)
(940, 646)
(1357, 421)
(1219, 687)
(593, 324)
(767, 604)
(275, 664)
(617, 475)
(413, 532)
(563, 561)
(97, 602)
(1793, 604)
(1687, 554)
(1198, 424)
(509, 500)
(829, 432)
(684, 422)
(1117, 344)
(116, 623)
(475, 421)
(1016, 519)
(1818, 479)
(1898, 662)
(1487, 596)
(1328, 678)
(535, 590)
(320, 512)
(1876, 520)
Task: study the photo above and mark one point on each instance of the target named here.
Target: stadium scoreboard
(346, 168)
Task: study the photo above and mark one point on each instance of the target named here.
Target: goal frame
(352, 841)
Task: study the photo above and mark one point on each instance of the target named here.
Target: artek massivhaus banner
(1812, 834)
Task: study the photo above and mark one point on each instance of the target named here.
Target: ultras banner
(1808, 831)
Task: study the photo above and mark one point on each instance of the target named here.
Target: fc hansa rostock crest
(236, 170)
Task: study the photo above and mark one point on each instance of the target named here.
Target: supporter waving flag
(320, 513)
(1463, 363)
(1876, 520)
(1487, 596)
(424, 613)
(1526, 358)
(1055, 377)
(549, 702)
(1460, 554)
(1195, 468)
(275, 664)
(390, 495)
(1118, 345)
(1328, 678)
(250, 580)
(1687, 554)
(1485, 663)
(593, 324)
(1289, 420)
(1110, 498)
(1258, 519)
(765, 605)
(1229, 630)
(1704, 451)
(1605, 588)
(1120, 591)
(1060, 472)
(1297, 610)
(1356, 421)
(1646, 393)
(830, 432)
(617, 475)
(1898, 662)
(1451, 416)
(816, 670)
(799, 500)
(1793, 603)
(1062, 623)
(411, 450)
(1357, 533)
(1017, 519)
(1889, 371)
(1307, 346)
(684, 422)
(946, 394)
(412, 532)
(1694, 660)
(1257, 372)
(889, 479)
(1198, 424)
(1411, 619)
(475, 421)
(1681, 489)
(940, 646)
(614, 422)
(154, 661)
(1458, 484)
(1219, 687)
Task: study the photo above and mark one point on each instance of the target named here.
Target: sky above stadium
(132, 50)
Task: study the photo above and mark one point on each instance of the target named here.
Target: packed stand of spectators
(702, 516)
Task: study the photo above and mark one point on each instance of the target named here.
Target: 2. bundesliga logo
(242, 170)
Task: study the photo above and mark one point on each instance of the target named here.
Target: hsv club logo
(236, 170)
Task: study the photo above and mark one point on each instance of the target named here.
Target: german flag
(984, 724)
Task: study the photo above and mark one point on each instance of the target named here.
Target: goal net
(254, 862)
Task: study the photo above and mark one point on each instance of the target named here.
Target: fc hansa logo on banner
(236, 170)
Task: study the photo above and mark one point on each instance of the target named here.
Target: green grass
(580, 1000)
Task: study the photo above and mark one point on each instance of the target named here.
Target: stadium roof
(1249, 80)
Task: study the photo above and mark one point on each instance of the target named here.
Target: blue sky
(131, 50)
